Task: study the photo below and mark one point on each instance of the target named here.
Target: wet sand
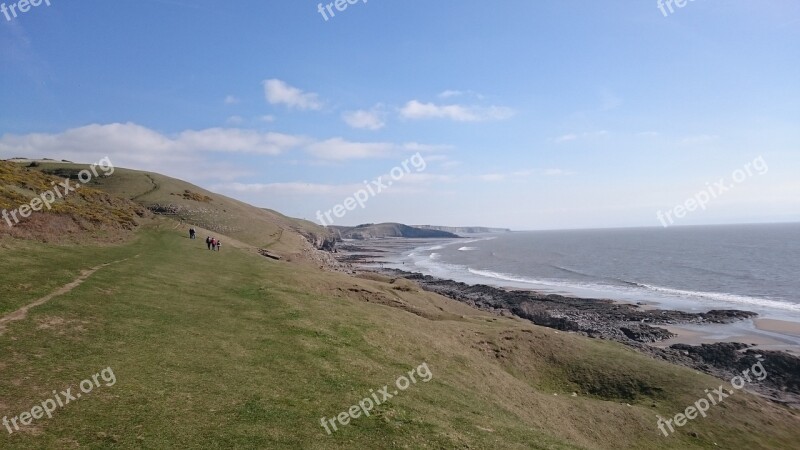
(765, 334)
(779, 326)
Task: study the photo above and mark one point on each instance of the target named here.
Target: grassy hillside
(229, 349)
(233, 350)
(69, 214)
(214, 213)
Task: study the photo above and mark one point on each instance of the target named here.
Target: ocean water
(751, 267)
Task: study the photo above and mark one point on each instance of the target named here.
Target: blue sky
(529, 115)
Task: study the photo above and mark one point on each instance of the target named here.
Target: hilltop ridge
(152, 193)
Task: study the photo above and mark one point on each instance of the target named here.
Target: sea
(695, 269)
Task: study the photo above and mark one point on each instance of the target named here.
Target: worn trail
(21, 313)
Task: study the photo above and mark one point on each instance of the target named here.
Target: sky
(518, 113)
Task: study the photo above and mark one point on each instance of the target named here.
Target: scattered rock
(633, 326)
(268, 254)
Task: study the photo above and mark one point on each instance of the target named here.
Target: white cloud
(493, 177)
(370, 120)
(238, 141)
(92, 141)
(340, 149)
(279, 92)
(436, 158)
(235, 120)
(520, 174)
(297, 188)
(575, 136)
(268, 118)
(410, 183)
(136, 145)
(132, 143)
(450, 93)
(417, 147)
(184, 155)
(231, 100)
(557, 172)
(415, 109)
(425, 178)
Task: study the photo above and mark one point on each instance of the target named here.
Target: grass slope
(86, 212)
(215, 213)
(232, 350)
(219, 214)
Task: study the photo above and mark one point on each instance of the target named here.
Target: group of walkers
(213, 243)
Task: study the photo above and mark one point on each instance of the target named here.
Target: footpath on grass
(21, 313)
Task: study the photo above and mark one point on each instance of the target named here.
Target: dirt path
(23, 312)
(153, 189)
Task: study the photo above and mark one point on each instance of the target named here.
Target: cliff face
(464, 230)
(326, 242)
(388, 230)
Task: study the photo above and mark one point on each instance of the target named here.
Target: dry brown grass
(86, 214)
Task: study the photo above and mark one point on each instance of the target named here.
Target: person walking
(208, 242)
(219, 245)
(213, 243)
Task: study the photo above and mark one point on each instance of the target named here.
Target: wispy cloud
(522, 174)
(451, 93)
(234, 120)
(410, 183)
(132, 142)
(556, 172)
(231, 100)
(373, 119)
(278, 92)
(417, 147)
(570, 137)
(340, 149)
(416, 110)
(296, 188)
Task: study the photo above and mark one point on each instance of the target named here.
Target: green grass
(233, 350)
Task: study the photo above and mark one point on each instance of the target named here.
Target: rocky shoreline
(630, 325)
